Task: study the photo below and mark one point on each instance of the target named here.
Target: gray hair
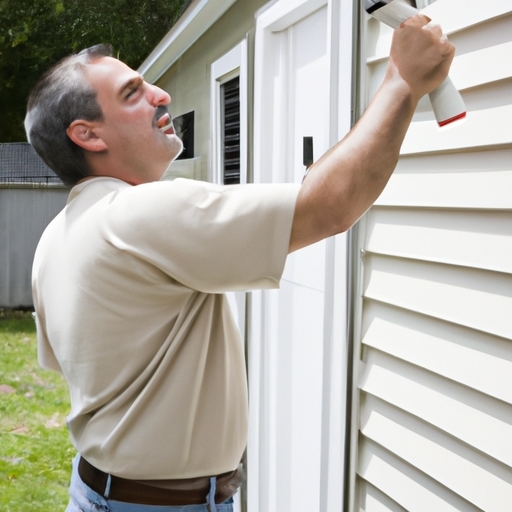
(61, 96)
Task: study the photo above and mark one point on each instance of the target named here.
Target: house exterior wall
(188, 80)
(433, 376)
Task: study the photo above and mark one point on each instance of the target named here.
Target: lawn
(35, 451)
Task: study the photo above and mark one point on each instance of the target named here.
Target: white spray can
(447, 103)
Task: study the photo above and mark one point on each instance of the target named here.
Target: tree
(35, 34)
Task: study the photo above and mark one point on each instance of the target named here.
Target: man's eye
(131, 92)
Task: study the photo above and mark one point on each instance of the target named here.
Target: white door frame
(278, 17)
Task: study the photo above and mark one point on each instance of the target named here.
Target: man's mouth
(164, 120)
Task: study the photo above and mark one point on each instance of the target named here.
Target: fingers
(423, 21)
(419, 19)
(434, 29)
(421, 53)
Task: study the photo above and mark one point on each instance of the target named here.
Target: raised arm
(347, 180)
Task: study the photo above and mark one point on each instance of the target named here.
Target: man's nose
(158, 96)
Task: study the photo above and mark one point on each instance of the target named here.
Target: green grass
(35, 450)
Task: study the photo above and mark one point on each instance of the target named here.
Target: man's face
(129, 127)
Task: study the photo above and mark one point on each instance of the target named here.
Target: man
(128, 280)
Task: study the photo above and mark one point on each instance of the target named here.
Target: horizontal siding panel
(473, 298)
(378, 67)
(373, 500)
(455, 15)
(478, 480)
(410, 488)
(481, 179)
(475, 359)
(452, 15)
(484, 84)
(479, 67)
(442, 403)
(484, 128)
(373, 505)
(435, 355)
(468, 70)
(471, 239)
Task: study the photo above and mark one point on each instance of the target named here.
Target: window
(184, 126)
(230, 100)
(228, 162)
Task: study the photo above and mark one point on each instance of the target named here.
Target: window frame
(230, 65)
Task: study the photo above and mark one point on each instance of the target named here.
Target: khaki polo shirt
(128, 289)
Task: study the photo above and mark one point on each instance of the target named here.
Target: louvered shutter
(231, 131)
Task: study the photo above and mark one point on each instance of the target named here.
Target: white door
(297, 334)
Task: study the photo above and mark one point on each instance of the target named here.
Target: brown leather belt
(189, 491)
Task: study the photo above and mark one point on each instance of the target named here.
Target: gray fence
(30, 197)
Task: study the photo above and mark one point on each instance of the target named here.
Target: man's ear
(82, 134)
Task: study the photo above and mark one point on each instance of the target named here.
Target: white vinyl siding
(433, 359)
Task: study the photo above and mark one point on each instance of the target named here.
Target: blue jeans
(84, 499)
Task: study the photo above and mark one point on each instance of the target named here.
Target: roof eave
(195, 21)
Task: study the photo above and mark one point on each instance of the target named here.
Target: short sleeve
(208, 237)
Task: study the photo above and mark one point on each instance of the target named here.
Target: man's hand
(347, 180)
(420, 54)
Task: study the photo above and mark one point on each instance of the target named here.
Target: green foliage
(35, 34)
(35, 450)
